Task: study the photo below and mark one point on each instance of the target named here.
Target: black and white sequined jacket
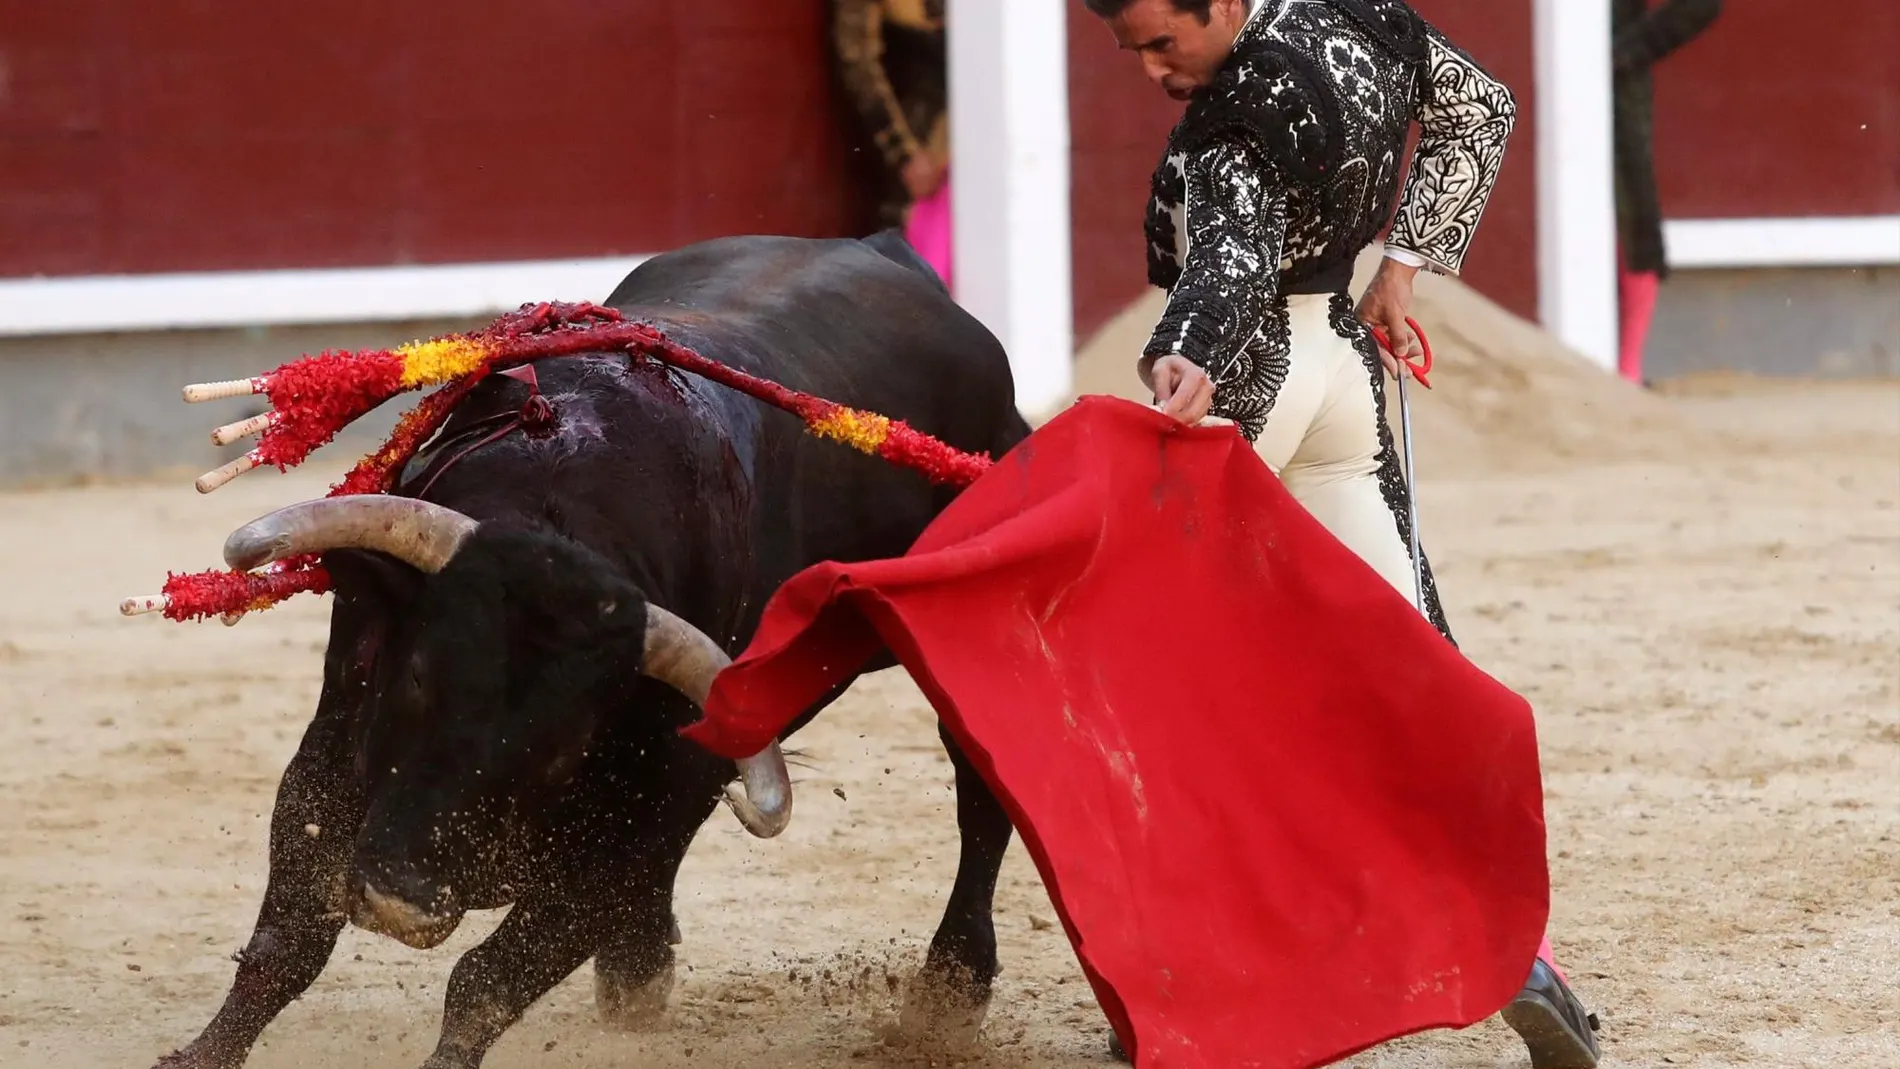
(1286, 167)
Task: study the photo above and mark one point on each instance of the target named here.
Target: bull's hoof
(200, 1056)
(452, 1058)
(626, 1006)
(943, 1012)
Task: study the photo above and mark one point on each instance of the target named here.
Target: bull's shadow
(520, 630)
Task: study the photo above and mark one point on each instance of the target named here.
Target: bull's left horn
(681, 656)
(421, 533)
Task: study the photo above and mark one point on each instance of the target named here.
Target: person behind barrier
(891, 57)
(1284, 166)
(1643, 36)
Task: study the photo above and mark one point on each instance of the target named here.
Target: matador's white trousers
(1322, 439)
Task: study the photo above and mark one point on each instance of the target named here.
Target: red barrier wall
(164, 135)
(169, 135)
(1783, 108)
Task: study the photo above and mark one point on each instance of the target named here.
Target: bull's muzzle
(410, 925)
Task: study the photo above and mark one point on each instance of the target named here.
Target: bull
(519, 630)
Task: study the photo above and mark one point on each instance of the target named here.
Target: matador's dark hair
(1108, 9)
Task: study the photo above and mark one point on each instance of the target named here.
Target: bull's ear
(372, 581)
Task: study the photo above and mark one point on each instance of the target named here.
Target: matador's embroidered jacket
(1286, 167)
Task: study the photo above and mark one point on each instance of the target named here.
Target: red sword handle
(1419, 371)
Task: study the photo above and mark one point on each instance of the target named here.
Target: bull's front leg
(634, 972)
(542, 940)
(615, 905)
(633, 967)
(951, 996)
(313, 828)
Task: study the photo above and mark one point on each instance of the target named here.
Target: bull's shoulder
(892, 245)
(693, 273)
(861, 321)
(726, 274)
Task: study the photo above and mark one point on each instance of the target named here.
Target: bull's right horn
(418, 532)
(681, 656)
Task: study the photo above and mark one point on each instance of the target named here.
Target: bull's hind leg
(313, 827)
(951, 995)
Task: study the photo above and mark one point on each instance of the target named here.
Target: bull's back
(710, 499)
(847, 322)
(839, 318)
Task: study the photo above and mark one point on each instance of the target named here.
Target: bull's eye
(607, 607)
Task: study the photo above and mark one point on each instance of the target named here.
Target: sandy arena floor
(1708, 622)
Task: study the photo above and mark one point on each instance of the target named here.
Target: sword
(1411, 498)
(1405, 435)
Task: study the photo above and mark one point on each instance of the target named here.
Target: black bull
(485, 735)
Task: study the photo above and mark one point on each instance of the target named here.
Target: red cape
(1281, 818)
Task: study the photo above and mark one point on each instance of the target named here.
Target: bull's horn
(681, 656)
(423, 534)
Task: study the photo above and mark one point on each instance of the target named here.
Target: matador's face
(1180, 52)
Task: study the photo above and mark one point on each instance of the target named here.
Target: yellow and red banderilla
(317, 396)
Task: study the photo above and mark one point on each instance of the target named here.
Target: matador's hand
(1182, 389)
(1386, 303)
(923, 175)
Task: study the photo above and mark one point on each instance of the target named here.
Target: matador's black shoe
(1560, 1033)
(1556, 1028)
